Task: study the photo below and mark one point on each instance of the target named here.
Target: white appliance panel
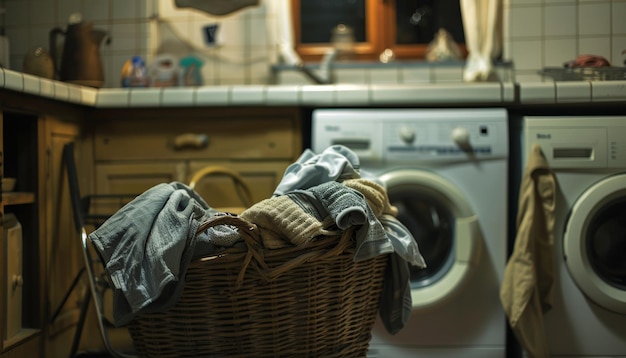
(469, 149)
(577, 326)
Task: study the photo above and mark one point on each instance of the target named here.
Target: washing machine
(446, 172)
(588, 157)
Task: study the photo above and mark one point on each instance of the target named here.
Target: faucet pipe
(324, 75)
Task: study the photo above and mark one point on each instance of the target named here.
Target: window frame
(380, 31)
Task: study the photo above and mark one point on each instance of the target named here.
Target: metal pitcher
(81, 62)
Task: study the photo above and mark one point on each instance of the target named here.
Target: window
(404, 26)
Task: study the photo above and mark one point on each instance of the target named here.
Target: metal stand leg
(81, 323)
(67, 295)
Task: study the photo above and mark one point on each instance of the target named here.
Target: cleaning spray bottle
(134, 73)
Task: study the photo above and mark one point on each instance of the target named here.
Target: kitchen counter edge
(338, 95)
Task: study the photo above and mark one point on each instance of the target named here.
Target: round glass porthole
(445, 228)
(432, 225)
(594, 243)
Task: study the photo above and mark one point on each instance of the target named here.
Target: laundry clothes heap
(148, 244)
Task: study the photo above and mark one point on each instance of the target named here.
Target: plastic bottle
(164, 72)
(134, 73)
(191, 71)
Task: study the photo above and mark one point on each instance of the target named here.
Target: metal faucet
(324, 76)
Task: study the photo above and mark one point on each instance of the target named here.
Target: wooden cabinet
(61, 242)
(20, 253)
(117, 152)
(140, 149)
(33, 134)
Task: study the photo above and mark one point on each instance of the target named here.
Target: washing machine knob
(407, 134)
(460, 136)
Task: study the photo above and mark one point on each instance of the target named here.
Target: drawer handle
(18, 280)
(191, 140)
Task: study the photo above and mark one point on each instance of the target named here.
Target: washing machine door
(594, 243)
(445, 228)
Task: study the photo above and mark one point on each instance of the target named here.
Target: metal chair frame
(98, 284)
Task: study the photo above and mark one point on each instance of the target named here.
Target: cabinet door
(135, 178)
(61, 241)
(20, 253)
(262, 177)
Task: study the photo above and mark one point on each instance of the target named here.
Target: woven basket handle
(250, 233)
(243, 191)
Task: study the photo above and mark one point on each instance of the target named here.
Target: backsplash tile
(97, 11)
(559, 20)
(42, 12)
(527, 54)
(568, 28)
(538, 33)
(558, 49)
(595, 45)
(618, 45)
(525, 21)
(590, 17)
(64, 9)
(618, 25)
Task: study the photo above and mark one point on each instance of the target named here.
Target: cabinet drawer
(136, 178)
(196, 138)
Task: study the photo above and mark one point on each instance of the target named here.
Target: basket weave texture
(312, 300)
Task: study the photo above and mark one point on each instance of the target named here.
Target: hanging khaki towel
(526, 292)
(217, 7)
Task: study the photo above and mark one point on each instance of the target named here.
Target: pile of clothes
(148, 244)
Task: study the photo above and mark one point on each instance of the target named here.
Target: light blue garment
(147, 245)
(335, 163)
(395, 312)
(374, 236)
(404, 244)
(349, 208)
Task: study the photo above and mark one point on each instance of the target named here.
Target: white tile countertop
(320, 95)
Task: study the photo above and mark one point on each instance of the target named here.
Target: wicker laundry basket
(255, 302)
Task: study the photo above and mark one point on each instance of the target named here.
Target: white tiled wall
(244, 50)
(538, 33)
(544, 33)
(128, 22)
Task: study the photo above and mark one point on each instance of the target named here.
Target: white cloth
(482, 24)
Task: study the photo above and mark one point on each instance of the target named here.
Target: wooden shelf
(20, 337)
(16, 198)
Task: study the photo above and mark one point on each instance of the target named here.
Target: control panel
(413, 134)
(580, 141)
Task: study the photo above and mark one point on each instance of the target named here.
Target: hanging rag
(217, 7)
(527, 287)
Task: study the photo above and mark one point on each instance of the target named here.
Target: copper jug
(81, 62)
